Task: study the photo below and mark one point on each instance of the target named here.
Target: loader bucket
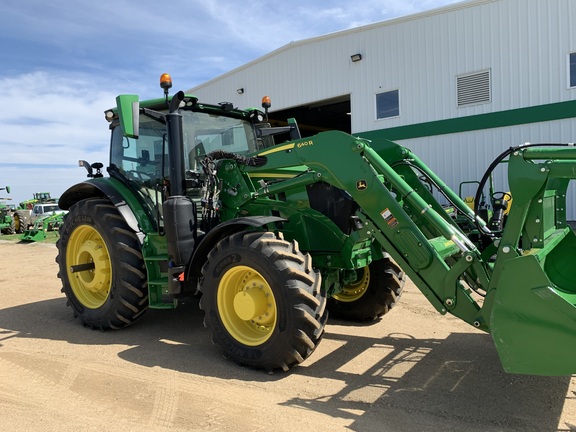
(533, 319)
(33, 235)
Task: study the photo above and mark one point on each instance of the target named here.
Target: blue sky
(63, 62)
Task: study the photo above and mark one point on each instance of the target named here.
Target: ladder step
(158, 281)
(162, 257)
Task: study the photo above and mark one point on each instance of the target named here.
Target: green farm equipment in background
(32, 218)
(6, 217)
(25, 216)
(200, 200)
(38, 232)
(37, 198)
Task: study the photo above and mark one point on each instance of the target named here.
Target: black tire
(286, 313)
(20, 222)
(114, 293)
(374, 293)
(9, 229)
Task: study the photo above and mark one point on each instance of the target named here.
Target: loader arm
(526, 296)
(430, 248)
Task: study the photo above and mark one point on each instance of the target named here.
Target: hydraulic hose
(499, 159)
(254, 161)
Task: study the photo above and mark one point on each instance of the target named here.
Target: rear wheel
(372, 295)
(262, 300)
(101, 266)
(19, 222)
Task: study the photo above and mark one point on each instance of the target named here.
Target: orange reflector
(181, 277)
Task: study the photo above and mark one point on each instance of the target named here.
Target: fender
(101, 188)
(208, 241)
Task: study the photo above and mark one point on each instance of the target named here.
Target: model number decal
(305, 144)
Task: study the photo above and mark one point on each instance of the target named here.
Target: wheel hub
(352, 292)
(92, 252)
(246, 305)
(251, 303)
(91, 284)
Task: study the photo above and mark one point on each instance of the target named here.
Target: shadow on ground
(399, 379)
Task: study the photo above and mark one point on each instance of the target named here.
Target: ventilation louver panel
(473, 88)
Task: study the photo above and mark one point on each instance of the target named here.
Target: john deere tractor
(273, 230)
(6, 219)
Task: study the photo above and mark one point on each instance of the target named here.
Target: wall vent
(473, 88)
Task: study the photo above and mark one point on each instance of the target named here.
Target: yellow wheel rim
(355, 290)
(247, 306)
(86, 246)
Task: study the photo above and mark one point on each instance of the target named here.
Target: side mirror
(129, 114)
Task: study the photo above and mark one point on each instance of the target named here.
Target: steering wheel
(144, 178)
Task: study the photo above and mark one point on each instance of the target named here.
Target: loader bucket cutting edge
(533, 319)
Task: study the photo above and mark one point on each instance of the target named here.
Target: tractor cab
(142, 161)
(140, 153)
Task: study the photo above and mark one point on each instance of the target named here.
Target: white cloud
(25, 181)
(63, 63)
(48, 119)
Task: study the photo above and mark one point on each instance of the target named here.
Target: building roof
(343, 33)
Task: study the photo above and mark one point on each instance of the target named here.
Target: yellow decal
(281, 148)
(270, 175)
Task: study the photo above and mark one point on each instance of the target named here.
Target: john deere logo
(361, 185)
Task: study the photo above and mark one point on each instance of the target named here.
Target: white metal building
(457, 84)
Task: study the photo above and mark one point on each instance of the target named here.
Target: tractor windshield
(204, 133)
(144, 161)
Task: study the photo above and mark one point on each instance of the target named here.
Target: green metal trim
(145, 224)
(514, 117)
(161, 104)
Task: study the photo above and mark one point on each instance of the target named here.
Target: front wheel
(372, 295)
(101, 266)
(263, 301)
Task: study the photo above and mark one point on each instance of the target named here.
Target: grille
(473, 88)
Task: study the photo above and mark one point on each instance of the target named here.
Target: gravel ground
(414, 370)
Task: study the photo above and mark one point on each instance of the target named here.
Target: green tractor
(25, 216)
(6, 219)
(37, 198)
(273, 230)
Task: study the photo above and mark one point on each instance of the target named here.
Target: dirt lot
(413, 371)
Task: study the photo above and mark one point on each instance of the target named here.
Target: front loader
(38, 231)
(201, 201)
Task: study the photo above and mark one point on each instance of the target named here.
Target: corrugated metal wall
(523, 43)
(466, 156)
